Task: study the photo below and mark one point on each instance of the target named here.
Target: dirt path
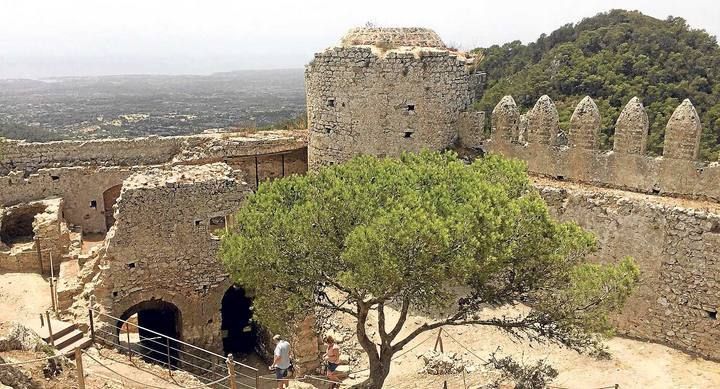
(634, 364)
(109, 365)
(23, 297)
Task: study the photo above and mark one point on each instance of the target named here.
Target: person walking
(281, 362)
(332, 358)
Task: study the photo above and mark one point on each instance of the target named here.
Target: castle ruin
(135, 222)
(663, 211)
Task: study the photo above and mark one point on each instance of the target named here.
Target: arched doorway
(110, 197)
(238, 329)
(142, 326)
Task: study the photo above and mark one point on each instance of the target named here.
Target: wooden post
(52, 294)
(92, 325)
(167, 346)
(39, 254)
(42, 321)
(52, 341)
(438, 341)
(127, 331)
(80, 374)
(231, 371)
(52, 270)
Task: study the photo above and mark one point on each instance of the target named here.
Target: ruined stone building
(135, 222)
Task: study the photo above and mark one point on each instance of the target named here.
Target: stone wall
(20, 155)
(575, 156)
(162, 248)
(48, 245)
(81, 187)
(30, 157)
(676, 244)
(385, 100)
(84, 174)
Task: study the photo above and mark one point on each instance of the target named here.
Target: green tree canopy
(613, 57)
(406, 232)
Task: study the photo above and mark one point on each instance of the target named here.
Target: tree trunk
(379, 370)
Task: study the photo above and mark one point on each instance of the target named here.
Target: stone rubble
(438, 363)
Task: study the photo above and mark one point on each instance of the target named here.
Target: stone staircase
(66, 336)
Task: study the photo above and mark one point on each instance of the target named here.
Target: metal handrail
(171, 338)
(184, 352)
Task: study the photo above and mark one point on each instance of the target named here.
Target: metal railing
(174, 354)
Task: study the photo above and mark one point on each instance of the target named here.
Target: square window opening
(93, 204)
(711, 315)
(131, 265)
(409, 134)
(411, 107)
(331, 102)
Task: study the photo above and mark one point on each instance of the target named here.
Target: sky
(49, 38)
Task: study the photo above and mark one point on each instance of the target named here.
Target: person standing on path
(332, 357)
(281, 361)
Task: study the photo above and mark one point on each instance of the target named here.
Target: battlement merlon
(576, 156)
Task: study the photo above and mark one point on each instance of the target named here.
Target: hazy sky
(95, 37)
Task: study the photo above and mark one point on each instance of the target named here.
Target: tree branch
(401, 320)
(367, 345)
(332, 306)
(453, 321)
(381, 324)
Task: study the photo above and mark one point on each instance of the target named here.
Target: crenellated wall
(575, 156)
(636, 205)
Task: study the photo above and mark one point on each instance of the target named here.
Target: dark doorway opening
(144, 326)
(238, 328)
(110, 197)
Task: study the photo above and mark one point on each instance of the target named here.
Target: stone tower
(383, 91)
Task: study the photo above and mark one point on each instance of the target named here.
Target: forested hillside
(612, 57)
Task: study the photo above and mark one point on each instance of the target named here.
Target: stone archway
(153, 319)
(110, 197)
